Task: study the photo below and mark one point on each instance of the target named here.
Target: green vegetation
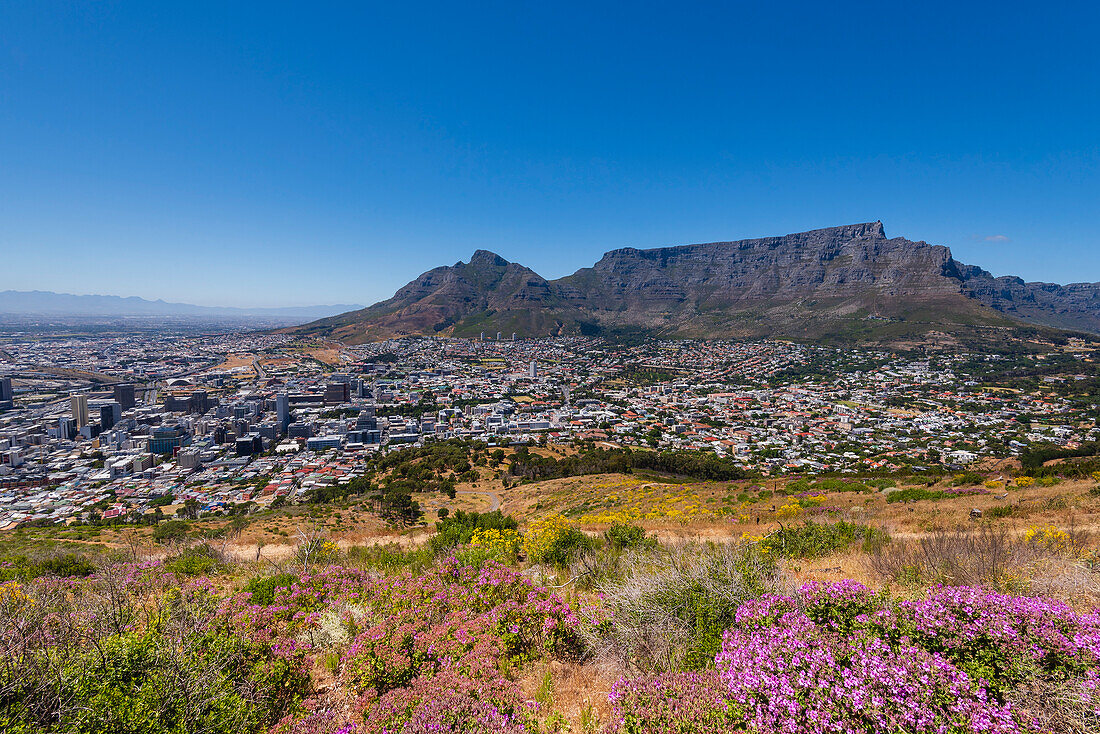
(693, 464)
(816, 540)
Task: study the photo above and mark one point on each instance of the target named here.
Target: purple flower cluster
(429, 650)
(801, 677)
(837, 657)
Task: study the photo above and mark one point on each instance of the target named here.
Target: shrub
(170, 530)
(913, 494)
(678, 702)
(554, 541)
(262, 588)
(785, 675)
(989, 556)
(212, 683)
(459, 528)
(814, 540)
(500, 544)
(672, 607)
(191, 564)
(625, 536)
(392, 557)
(65, 565)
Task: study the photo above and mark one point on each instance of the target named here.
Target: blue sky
(282, 154)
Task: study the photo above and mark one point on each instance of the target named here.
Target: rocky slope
(841, 283)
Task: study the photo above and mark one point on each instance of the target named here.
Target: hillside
(848, 283)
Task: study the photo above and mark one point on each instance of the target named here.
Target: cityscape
(118, 427)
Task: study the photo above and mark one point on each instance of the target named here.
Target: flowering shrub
(1048, 537)
(504, 544)
(676, 702)
(553, 540)
(797, 676)
(1025, 481)
(837, 657)
(429, 649)
(790, 509)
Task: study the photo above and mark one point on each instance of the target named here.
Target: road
(494, 499)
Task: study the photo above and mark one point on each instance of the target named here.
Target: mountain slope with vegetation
(850, 283)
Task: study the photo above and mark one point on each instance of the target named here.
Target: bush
(914, 494)
(216, 684)
(836, 657)
(262, 588)
(672, 607)
(459, 528)
(391, 557)
(814, 540)
(194, 561)
(989, 556)
(554, 541)
(624, 536)
(498, 545)
(789, 671)
(65, 565)
(170, 530)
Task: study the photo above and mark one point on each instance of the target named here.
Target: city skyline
(293, 160)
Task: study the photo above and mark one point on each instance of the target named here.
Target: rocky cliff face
(839, 262)
(1074, 306)
(839, 282)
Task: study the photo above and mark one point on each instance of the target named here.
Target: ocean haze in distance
(46, 303)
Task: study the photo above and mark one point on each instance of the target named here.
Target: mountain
(839, 283)
(46, 303)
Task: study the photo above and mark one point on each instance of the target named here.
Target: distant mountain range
(46, 303)
(848, 283)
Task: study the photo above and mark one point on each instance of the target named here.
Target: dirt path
(494, 499)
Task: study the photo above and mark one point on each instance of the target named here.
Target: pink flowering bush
(837, 657)
(800, 677)
(696, 702)
(431, 652)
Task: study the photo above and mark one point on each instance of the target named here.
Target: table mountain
(849, 283)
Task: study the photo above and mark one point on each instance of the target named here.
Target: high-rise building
(65, 429)
(79, 403)
(336, 393)
(533, 370)
(124, 395)
(109, 415)
(166, 439)
(282, 408)
(5, 389)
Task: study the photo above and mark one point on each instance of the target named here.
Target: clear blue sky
(277, 154)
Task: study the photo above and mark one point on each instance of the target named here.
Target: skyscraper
(124, 395)
(336, 393)
(282, 408)
(5, 389)
(79, 403)
(533, 370)
(109, 415)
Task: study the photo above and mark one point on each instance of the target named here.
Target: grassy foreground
(493, 626)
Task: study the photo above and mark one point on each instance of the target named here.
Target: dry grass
(993, 557)
(662, 601)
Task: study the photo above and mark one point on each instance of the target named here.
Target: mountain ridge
(845, 282)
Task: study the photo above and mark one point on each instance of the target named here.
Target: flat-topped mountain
(848, 283)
